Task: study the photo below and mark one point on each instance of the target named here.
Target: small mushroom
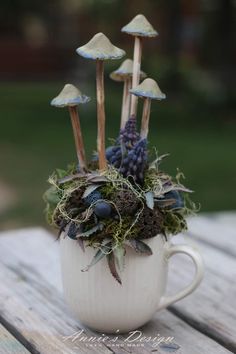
(71, 97)
(149, 90)
(124, 73)
(100, 48)
(139, 27)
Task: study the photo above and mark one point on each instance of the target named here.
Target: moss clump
(150, 223)
(126, 202)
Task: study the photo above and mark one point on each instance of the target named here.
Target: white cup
(101, 303)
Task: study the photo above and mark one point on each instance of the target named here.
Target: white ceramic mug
(102, 304)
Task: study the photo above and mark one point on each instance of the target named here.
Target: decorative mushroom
(100, 48)
(124, 73)
(139, 27)
(149, 90)
(71, 97)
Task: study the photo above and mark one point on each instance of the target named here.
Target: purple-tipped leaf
(112, 266)
(140, 247)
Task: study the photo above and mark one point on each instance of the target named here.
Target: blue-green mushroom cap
(140, 27)
(100, 48)
(69, 96)
(148, 89)
(125, 71)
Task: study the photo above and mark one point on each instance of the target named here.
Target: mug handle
(199, 270)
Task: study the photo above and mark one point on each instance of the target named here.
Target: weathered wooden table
(34, 318)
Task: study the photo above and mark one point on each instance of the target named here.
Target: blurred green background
(193, 60)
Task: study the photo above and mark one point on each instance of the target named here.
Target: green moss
(173, 223)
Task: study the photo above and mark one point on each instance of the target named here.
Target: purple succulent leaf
(112, 266)
(140, 247)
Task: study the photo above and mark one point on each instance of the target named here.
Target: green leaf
(99, 255)
(61, 173)
(119, 254)
(91, 231)
(52, 196)
(140, 247)
(150, 199)
(112, 266)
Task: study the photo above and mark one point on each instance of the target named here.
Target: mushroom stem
(136, 72)
(101, 115)
(78, 137)
(126, 102)
(145, 118)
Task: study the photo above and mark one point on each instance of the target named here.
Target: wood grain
(79, 143)
(136, 73)
(216, 229)
(210, 308)
(101, 115)
(9, 344)
(145, 118)
(126, 102)
(37, 312)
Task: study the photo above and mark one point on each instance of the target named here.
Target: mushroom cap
(124, 71)
(140, 26)
(148, 89)
(100, 47)
(69, 96)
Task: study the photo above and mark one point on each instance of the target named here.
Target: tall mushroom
(139, 27)
(71, 97)
(124, 73)
(148, 90)
(100, 48)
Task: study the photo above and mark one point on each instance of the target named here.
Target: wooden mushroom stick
(101, 115)
(139, 27)
(149, 90)
(71, 97)
(136, 73)
(145, 118)
(124, 74)
(100, 48)
(75, 121)
(126, 102)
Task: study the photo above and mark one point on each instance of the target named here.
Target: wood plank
(211, 307)
(216, 229)
(9, 344)
(32, 310)
(33, 251)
